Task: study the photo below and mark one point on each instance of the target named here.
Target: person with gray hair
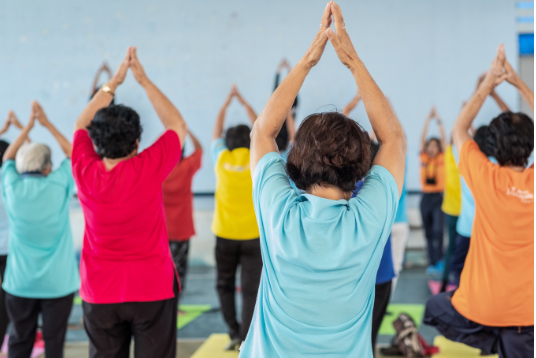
(40, 241)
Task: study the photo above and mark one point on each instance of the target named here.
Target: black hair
(330, 149)
(115, 131)
(237, 137)
(513, 135)
(484, 141)
(282, 139)
(3, 147)
(374, 148)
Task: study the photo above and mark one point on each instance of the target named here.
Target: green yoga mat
(77, 300)
(192, 312)
(415, 311)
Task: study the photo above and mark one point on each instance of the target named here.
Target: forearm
(169, 115)
(381, 115)
(100, 100)
(424, 133)
(350, 106)
(503, 106)
(64, 143)
(195, 141)
(460, 130)
(220, 120)
(526, 93)
(251, 113)
(13, 148)
(442, 134)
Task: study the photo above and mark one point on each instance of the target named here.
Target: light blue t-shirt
(4, 226)
(401, 212)
(320, 261)
(41, 261)
(464, 225)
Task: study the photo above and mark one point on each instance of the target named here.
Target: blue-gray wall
(420, 53)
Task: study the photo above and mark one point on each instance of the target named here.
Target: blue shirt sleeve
(9, 173)
(216, 148)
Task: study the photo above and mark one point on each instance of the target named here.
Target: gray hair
(33, 157)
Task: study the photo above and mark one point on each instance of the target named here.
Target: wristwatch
(107, 89)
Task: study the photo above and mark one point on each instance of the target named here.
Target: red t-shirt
(177, 193)
(125, 254)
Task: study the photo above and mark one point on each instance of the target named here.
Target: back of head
(329, 149)
(238, 137)
(513, 136)
(33, 158)
(484, 141)
(3, 147)
(115, 131)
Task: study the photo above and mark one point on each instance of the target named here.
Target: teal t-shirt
(320, 261)
(402, 211)
(41, 261)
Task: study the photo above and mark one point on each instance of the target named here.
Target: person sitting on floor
(493, 309)
(41, 274)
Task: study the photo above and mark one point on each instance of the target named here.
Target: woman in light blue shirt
(41, 274)
(321, 250)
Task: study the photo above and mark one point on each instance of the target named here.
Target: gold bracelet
(107, 89)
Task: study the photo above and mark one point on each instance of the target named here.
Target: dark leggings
(432, 220)
(179, 253)
(381, 300)
(4, 318)
(230, 254)
(451, 227)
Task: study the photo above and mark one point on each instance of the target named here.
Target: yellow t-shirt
(452, 199)
(234, 215)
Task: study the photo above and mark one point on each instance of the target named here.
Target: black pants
(381, 300)
(153, 325)
(230, 254)
(179, 253)
(4, 318)
(508, 342)
(451, 228)
(23, 314)
(432, 221)
(458, 257)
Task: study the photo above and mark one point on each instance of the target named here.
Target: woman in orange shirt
(433, 184)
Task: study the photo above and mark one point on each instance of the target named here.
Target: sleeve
(64, 175)
(271, 189)
(163, 155)
(9, 173)
(216, 148)
(83, 152)
(377, 200)
(474, 166)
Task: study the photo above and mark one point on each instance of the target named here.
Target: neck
(109, 164)
(516, 168)
(329, 192)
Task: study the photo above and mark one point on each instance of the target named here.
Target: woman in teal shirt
(41, 274)
(321, 250)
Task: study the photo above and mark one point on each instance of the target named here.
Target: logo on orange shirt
(524, 195)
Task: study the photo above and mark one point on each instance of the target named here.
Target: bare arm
(275, 112)
(351, 105)
(169, 115)
(101, 98)
(40, 115)
(13, 148)
(7, 123)
(513, 78)
(220, 120)
(291, 126)
(460, 131)
(392, 153)
(195, 141)
(442, 135)
(502, 105)
(251, 113)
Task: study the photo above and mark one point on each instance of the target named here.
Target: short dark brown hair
(237, 137)
(329, 149)
(513, 137)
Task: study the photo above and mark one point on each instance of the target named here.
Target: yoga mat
(214, 347)
(435, 286)
(415, 311)
(77, 300)
(192, 312)
(450, 349)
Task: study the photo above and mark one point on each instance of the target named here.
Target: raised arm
(14, 120)
(513, 78)
(392, 153)
(352, 104)
(291, 126)
(425, 128)
(40, 115)
(220, 120)
(102, 99)
(495, 75)
(251, 113)
(103, 68)
(169, 115)
(7, 123)
(442, 135)
(195, 141)
(13, 148)
(275, 112)
(502, 105)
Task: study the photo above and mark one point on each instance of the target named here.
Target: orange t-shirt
(497, 282)
(432, 169)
